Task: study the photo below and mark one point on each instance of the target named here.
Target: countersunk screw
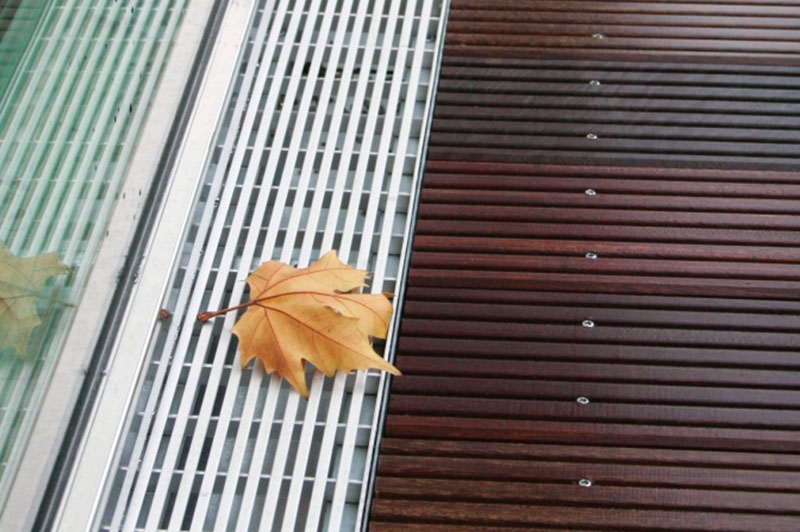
(590, 192)
(591, 136)
(591, 255)
(598, 36)
(582, 400)
(587, 323)
(595, 83)
(585, 483)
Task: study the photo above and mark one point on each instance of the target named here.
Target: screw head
(587, 323)
(590, 192)
(582, 400)
(598, 36)
(591, 255)
(591, 136)
(585, 483)
(595, 83)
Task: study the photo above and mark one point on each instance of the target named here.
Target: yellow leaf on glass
(21, 284)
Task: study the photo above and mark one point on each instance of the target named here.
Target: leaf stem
(205, 316)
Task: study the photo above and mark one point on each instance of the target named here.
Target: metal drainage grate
(319, 148)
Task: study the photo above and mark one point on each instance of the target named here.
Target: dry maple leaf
(21, 284)
(310, 314)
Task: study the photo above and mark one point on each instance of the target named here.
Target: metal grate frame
(319, 148)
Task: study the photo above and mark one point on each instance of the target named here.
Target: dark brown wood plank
(556, 299)
(565, 19)
(613, 40)
(641, 264)
(505, 143)
(674, 87)
(559, 351)
(635, 156)
(600, 474)
(602, 233)
(631, 216)
(501, 430)
(457, 25)
(612, 102)
(603, 411)
(645, 67)
(752, 8)
(603, 200)
(608, 496)
(606, 250)
(576, 117)
(468, 168)
(614, 519)
(496, 366)
(571, 314)
(605, 130)
(609, 284)
(616, 75)
(596, 53)
(589, 452)
(614, 186)
(570, 390)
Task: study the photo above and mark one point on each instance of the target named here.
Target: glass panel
(76, 81)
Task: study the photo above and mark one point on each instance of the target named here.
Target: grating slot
(213, 447)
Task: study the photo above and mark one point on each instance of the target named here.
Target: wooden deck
(602, 324)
